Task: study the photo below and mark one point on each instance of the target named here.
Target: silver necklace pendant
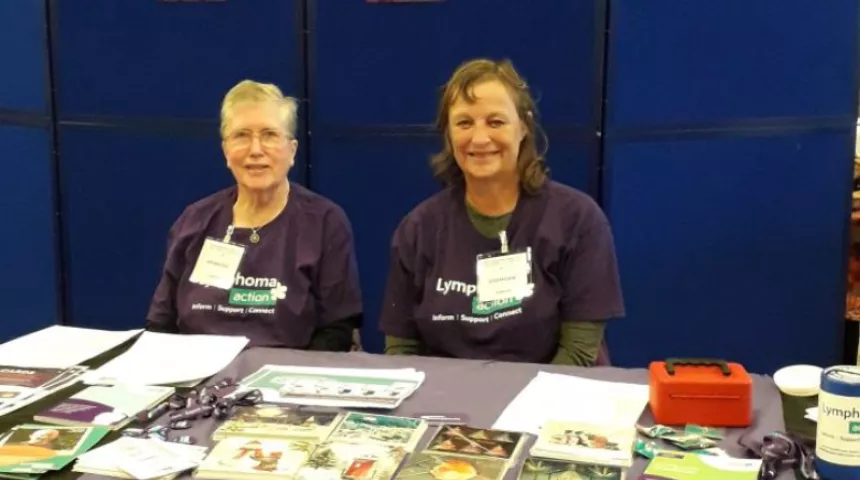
(255, 238)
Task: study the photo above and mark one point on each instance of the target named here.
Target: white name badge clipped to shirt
(218, 262)
(504, 275)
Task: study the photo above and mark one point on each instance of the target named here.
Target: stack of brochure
(279, 421)
(60, 346)
(589, 450)
(140, 458)
(312, 446)
(43, 362)
(335, 387)
(21, 386)
(113, 407)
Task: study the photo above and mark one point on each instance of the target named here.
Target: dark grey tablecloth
(478, 391)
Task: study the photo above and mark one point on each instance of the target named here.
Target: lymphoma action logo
(486, 308)
(256, 291)
(478, 308)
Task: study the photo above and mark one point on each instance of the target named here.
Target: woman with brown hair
(500, 227)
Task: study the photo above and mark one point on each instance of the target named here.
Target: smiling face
(258, 149)
(485, 135)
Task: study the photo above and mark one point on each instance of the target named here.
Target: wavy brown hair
(531, 166)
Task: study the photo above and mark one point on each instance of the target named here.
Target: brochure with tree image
(349, 461)
(279, 421)
(366, 428)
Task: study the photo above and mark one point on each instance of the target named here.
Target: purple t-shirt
(302, 273)
(430, 295)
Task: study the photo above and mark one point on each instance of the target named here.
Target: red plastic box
(704, 392)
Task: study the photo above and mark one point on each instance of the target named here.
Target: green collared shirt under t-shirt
(579, 341)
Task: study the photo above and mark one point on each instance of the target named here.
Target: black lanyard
(218, 400)
(780, 450)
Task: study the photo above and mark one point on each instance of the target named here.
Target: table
(475, 391)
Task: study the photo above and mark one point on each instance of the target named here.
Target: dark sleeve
(401, 346)
(579, 343)
(589, 272)
(337, 282)
(335, 336)
(162, 315)
(401, 291)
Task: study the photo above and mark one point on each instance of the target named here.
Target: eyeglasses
(268, 138)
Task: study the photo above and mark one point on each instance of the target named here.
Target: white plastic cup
(798, 380)
(798, 386)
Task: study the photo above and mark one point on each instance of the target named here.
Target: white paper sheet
(60, 346)
(108, 459)
(166, 358)
(551, 396)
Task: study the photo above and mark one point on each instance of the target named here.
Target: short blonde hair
(251, 91)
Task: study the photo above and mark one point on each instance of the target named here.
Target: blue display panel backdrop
(29, 296)
(375, 75)
(730, 131)
(139, 87)
(718, 139)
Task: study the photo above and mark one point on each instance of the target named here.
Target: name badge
(217, 263)
(504, 275)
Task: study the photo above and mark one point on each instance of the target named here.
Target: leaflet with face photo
(33, 448)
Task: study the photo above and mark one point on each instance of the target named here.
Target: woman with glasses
(265, 258)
